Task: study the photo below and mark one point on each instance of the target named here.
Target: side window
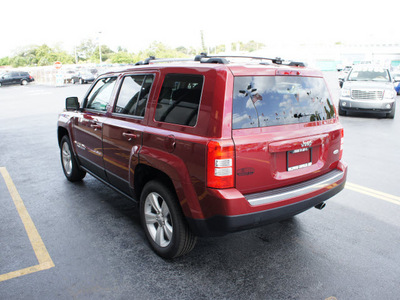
(100, 94)
(179, 99)
(133, 95)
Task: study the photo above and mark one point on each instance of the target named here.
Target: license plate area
(298, 159)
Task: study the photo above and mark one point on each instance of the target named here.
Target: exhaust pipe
(320, 205)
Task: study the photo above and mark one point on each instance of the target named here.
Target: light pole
(100, 46)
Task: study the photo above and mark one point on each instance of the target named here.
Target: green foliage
(88, 51)
(85, 50)
(122, 57)
(106, 53)
(38, 56)
(5, 61)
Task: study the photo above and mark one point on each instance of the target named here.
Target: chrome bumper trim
(296, 190)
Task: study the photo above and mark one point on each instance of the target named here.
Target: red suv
(207, 147)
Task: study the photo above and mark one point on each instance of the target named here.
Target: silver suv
(368, 88)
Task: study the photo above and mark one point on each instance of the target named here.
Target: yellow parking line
(43, 257)
(373, 193)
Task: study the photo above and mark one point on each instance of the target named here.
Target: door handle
(129, 135)
(96, 126)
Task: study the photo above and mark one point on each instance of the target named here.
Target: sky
(135, 24)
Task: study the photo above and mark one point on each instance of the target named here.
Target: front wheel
(68, 161)
(342, 112)
(392, 113)
(163, 221)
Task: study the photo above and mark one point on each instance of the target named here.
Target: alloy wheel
(158, 219)
(67, 158)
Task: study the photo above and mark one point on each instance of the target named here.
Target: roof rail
(150, 59)
(296, 64)
(276, 60)
(217, 59)
(146, 61)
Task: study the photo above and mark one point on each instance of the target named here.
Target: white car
(370, 89)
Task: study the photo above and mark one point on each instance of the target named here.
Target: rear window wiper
(300, 115)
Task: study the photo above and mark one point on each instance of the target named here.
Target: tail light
(287, 72)
(341, 143)
(220, 164)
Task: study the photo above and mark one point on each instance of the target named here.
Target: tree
(250, 46)
(121, 57)
(86, 49)
(5, 61)
(105, 54)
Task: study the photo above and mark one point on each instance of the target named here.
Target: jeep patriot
(208, 146)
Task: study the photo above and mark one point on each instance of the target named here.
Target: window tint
(179, 99)
(100, 94)
(262, 101)
(132, 98)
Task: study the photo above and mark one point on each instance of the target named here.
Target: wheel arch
(61, 131)
(145, 173)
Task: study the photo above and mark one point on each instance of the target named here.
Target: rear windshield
(261, 101)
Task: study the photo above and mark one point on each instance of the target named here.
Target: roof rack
(276, 60)
(218, 59)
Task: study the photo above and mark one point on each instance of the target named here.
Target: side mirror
(72, 103)
(341, 82)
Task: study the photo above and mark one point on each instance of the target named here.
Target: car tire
(73, 81)
(392, 113)
(68, 161)
(81, 81)
(342, 112)
(163, 221)
(24, 82)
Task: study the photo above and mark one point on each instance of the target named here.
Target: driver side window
(100, 95)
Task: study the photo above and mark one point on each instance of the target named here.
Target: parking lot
(84, 241)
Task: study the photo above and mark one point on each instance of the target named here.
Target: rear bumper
(307, 194)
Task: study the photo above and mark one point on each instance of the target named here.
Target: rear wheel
(68, 161)
(163, 221)
(24, 82)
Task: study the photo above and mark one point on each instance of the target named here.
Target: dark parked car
(82, 77)
(208, 147)
(15, 77)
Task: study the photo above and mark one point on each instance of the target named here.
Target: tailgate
(285, 130)
(272, 160)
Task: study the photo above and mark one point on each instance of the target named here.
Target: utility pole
(203, 44)
(100, 46)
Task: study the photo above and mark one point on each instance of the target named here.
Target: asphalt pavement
(60, 240)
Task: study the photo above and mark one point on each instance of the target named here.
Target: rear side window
(133, 95)
(179, 99)
(261, 101)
